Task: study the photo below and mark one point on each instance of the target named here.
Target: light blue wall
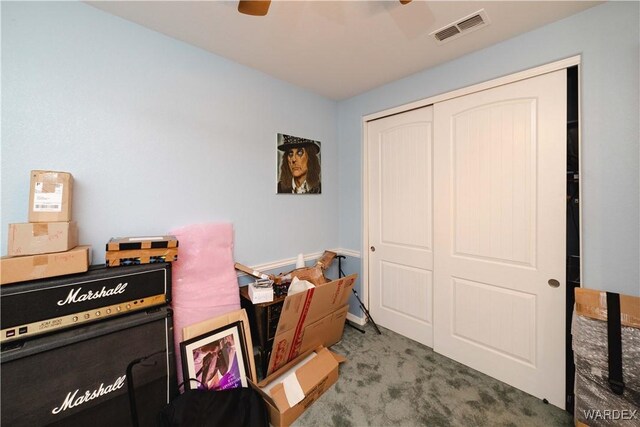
(158, 134)
(607, 37)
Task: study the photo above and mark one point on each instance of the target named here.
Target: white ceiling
(339, 49)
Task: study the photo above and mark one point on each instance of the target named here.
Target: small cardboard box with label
(50, 195)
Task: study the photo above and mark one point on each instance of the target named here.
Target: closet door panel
(499, 223)
(494, 207)
(400, 237)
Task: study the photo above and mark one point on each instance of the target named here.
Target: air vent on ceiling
(470, 23)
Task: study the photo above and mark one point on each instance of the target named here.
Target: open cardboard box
(310, 319)
(289, 391)
(292, 389)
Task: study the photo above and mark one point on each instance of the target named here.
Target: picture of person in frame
(218, 365)
(299, 166)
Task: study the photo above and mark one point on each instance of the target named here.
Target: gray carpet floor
(390, 380)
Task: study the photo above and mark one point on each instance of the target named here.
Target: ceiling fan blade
(254, 7)
(405, 1)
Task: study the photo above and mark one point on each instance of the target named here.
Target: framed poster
(298, 165)
(216, 360)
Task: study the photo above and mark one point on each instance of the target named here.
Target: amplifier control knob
(119, 308)
(108, 311)
(86, 316)
(128, 306)
(75, 318)
(97, 313)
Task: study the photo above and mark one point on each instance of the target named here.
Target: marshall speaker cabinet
(81, 376)
(34, 308)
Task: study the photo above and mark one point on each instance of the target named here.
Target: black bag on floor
(206, 408)
(237, 407)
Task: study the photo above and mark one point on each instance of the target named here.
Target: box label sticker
(293, 390)
(47, 201)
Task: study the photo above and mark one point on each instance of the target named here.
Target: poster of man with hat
(299, 160)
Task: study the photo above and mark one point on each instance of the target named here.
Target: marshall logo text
(75, 296)
(72, 400)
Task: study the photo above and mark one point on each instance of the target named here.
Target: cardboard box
(35, 238)
(140, 256)
(315, 371)
(287, 395)
(311, 318)
(592, 303)
(150, 242)
(32, 267)
(50, 195)
(259, 294)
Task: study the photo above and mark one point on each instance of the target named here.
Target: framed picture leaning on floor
(216, 360)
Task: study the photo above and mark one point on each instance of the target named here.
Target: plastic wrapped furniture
(597, 401)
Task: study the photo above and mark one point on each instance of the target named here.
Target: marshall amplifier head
(78, 377)
(41, 306)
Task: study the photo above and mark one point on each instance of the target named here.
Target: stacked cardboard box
(141, 250)
(47, 245)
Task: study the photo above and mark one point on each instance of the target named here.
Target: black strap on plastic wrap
(614, 338)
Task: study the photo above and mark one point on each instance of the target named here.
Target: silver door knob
(553, 283)
(373, 248)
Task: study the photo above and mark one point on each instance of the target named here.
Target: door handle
(373, 248)
(553, 283)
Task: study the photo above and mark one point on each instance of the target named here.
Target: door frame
(511, 78)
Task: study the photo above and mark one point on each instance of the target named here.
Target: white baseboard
(357, 320)
(291, 261)
(348, 252)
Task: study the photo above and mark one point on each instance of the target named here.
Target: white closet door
(499, 179)
(400, 211)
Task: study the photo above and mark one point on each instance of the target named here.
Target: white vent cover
(463, 26)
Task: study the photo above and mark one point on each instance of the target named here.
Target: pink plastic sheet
(204, 281)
